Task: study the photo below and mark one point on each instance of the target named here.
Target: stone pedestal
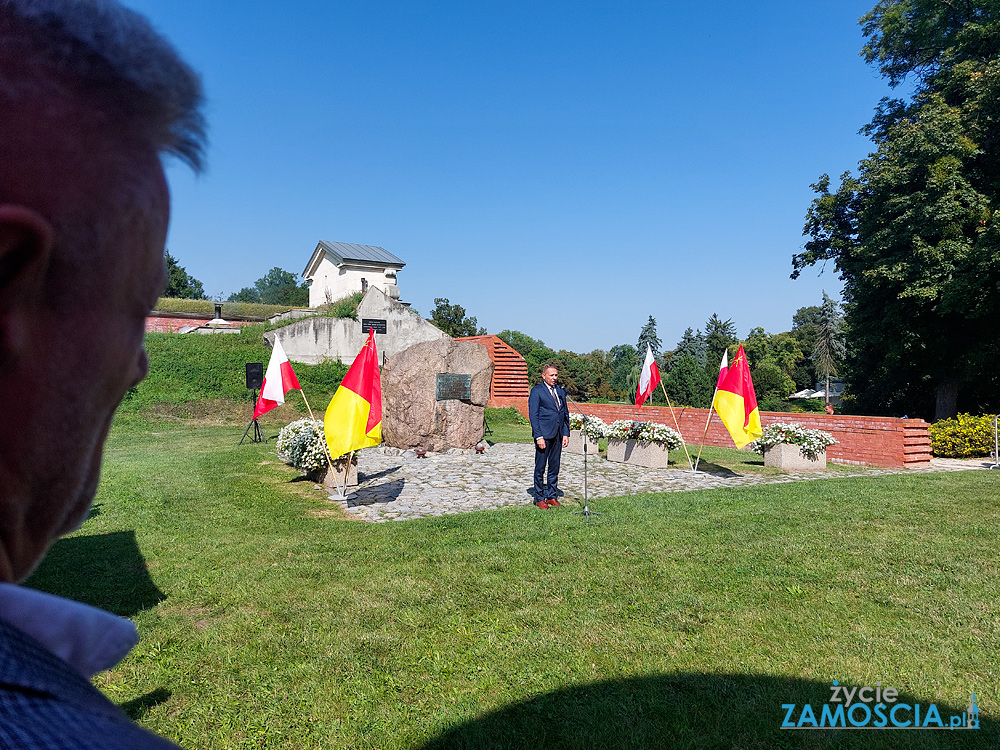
(651, 454)
(412, 417)
(789, 458)
(330, 482)
(576, 444)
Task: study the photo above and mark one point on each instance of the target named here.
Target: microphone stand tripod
(586, 512)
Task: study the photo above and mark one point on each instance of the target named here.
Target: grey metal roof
(366, 253)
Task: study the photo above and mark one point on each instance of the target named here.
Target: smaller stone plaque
(373, 324)
(454, 387)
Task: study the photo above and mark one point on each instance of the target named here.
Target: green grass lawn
(679, 620)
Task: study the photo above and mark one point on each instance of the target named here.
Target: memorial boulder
(434, 395)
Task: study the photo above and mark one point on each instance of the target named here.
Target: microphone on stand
(586, 512)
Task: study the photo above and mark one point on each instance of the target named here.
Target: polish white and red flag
(278, 380)
(649, 378)
(723, 368)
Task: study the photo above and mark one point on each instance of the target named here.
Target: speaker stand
(257, 436)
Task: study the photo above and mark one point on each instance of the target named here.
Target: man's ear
(26, 240)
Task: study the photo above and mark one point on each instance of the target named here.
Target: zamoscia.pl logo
(874, 708)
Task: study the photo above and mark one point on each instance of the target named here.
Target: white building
(338, 269)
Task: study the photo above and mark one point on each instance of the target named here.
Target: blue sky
(562, 169)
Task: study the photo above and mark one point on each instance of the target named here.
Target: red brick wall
(875, 441)
(172, 325)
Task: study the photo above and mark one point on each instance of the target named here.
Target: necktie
(555, 396)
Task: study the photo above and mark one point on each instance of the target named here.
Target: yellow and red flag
(736, 402)
(354, 417)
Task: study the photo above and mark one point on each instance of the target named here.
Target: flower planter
(576, 443)
(789, 457)
(327, 479)
(648, 453)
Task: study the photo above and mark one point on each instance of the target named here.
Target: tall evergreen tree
(720, 335)
(692, 343)
(648, 336)
(829, 349)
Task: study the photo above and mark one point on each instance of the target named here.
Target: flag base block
(335, 481)
(337, 496)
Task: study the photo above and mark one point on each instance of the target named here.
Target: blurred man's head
(90, 97)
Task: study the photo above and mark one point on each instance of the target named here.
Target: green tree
(521, 342)
(451, 319)
(720, 336)
(623, 359)
(915, 235)
(804, 333)
(648, 336)
(688, 384)
(180, 284)
(693, 343)
(246, 294)
(276, 287)
(770, 384)
(829, 350)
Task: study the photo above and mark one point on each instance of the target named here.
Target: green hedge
(507, 415)
(964, 436)
(190, 367)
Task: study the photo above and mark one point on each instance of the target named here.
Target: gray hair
(116, 51)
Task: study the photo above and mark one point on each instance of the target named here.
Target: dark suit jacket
(45, 703)
(547, 421)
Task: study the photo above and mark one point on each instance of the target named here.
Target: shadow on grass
(104, 570)
(137, 708)
(696, 711)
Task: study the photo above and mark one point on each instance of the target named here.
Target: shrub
(810, 442)
(624, 429)
(964, 436)
(507, 415)
(345, 307)
(300, 444)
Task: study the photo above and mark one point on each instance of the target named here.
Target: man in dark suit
(90, 98)
(549, 417)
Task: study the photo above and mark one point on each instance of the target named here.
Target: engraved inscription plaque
(373, 324)
(454, 387)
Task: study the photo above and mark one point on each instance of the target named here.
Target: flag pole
(683, 444)
(707, 422)
(711, 405)
(347, 470)
(326, 450)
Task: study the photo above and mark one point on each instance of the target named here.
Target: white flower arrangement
(595, 425)
(810, 442)
(625, 429)
(300, 444)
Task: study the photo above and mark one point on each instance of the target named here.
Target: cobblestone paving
(399, 487)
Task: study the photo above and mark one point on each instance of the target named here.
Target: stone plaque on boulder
(412, 415)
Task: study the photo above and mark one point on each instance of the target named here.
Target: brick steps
(510, 373)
